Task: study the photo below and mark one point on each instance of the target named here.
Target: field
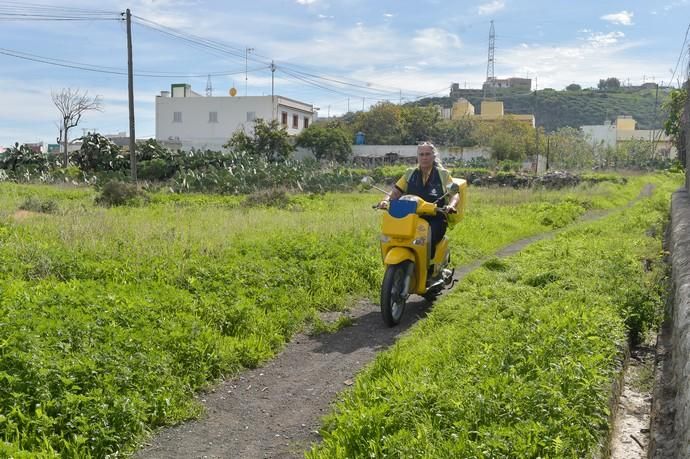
(111, 319)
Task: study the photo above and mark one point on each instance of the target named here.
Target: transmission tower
(490, 77)
(209, 87)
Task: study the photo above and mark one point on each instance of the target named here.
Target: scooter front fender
(398, 255)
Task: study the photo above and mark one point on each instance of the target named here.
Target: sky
(334, 54)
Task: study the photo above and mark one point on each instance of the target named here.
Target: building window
(283, 119)
(295, 121)
(177, 117)
(251, 116)
(212, 117)
(306, 122)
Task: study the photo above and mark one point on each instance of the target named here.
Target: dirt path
(630, 438)
(275, 411)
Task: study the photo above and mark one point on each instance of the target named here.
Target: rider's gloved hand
(383, 204)
(450, 209)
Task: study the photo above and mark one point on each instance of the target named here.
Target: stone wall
(679, 247)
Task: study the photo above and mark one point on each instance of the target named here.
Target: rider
(429, 180)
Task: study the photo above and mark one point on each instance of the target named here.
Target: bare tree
(72, 104)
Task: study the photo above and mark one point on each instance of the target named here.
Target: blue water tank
(359, 138)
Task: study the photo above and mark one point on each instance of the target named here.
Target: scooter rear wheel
(392, 297)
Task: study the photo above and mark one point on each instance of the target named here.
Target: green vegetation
(327, 141)
(269, 141)
(572, 108)
(518, 360)
(112, 317)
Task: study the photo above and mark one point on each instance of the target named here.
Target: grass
(518, 361)
(112, 318)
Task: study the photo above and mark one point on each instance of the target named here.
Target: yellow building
(461, 109)
(491, 110)
(625, 123)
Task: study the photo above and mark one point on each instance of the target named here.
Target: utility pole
(548, 152)
(130, 84)
(536, 127)
(653, 139)
(246, 61)
(273, 104)
(362, 103)
(348, 105)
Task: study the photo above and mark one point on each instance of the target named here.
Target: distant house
(512, 83)
(624, 130)
(186, 119)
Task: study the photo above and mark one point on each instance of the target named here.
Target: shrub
(97, 153)
(268, 198)
(44, 206)
(155, 169)
(116, 193)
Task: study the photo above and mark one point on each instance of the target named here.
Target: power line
(14, 11)
(111, 70)
(325, 82)
(683, 51)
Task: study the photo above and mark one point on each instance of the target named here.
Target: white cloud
(598, 56)
(432, 39)
(491, 7)
(598, 39)
(387, 15)
(673, 5)
(623, 18)
(306, 2)
(323, 16)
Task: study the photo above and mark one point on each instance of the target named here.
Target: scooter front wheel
(393, 296)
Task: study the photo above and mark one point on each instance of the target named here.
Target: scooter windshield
(401, 208)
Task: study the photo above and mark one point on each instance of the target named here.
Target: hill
(555, 109)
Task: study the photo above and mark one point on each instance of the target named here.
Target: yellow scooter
(406, 251)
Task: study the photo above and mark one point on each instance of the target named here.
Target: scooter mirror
(454, 188)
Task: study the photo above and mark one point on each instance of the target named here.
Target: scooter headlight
(419, 241)
(385, 239)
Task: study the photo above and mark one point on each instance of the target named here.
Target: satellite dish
(233, 92)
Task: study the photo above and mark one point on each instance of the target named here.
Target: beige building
(490, 110)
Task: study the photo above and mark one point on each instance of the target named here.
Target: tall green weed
(517, 361)
(111, 318)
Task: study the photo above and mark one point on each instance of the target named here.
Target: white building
(624, 131)
(189, 120)
(604, 134)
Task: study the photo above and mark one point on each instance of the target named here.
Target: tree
(381, 124)
(72, 104)
(569, 149)
(508, 139)
(573, 87)
(327, 141)
(609, 84)
(674, 105)
(418, 124)
(456, 133)
(270, 141)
